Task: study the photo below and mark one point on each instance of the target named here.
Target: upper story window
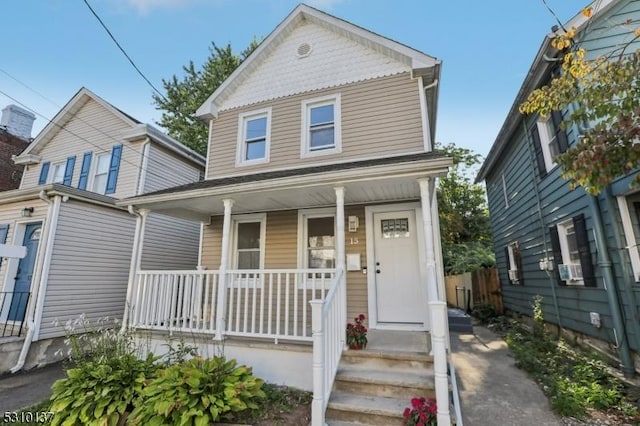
(549, 141)
(57, 173)
(321, 126)
(60, 172)
(254, 134)
(101, 173)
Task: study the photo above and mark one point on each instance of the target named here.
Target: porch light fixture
(26, 212)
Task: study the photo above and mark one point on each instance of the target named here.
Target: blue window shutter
(44, 172)
(114, 166)
(68, 170)
(84, 170)
(4, 230)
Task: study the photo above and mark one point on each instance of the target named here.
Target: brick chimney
(17, 121)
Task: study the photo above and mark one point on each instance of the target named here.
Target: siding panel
(379, 117)
(89, 270)
(170, 243)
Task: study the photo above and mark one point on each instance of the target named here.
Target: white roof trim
(65, 114)
(26, 159)
(155, 135)
(417, 60)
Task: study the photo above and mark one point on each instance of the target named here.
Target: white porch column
(319, 394)
(437, 305)
(224, 261)
(136, 260)
(340, 256)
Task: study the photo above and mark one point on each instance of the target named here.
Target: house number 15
(353, 241)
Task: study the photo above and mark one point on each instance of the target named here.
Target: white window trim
(52, 169)
(241, 147)
(303, 215)
(564, 247)
(307, 104)
(247, 218)
(545, 139)
(93, 169)
(513, 266)
(630, 237)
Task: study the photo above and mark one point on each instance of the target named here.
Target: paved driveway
(27, 388)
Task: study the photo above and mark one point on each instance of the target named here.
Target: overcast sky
(57, 46)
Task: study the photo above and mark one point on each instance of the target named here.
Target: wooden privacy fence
(485, 288)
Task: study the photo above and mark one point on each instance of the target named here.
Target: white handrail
(328, 322)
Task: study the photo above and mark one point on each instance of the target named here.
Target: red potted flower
(422, 412)
(357, 333)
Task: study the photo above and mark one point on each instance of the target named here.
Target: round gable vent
(303, 50)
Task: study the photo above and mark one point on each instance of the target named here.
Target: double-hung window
(249, 235)
(101, 173)
(254, 134)
(514, 262)
(549, 141)
(572, 255)
(321, 126)
(317, 240)
(57, 173)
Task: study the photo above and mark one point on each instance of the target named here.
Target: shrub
(484, 312)
(99, 392)
(197, 392)
(573, 381)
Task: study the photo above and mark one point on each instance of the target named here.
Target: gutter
(34, 313)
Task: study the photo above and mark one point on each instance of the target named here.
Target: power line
(61, 127)
(148, 157)
(123, 51)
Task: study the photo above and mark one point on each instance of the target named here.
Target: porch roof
(365, 181)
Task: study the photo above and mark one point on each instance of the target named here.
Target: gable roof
(139, 129)
(534, 78)
(420, 64)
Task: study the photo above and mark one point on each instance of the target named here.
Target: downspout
(604, 262)
(136, 257)
(44, 259)
(610, 285)
(627, 273)
(541, 219)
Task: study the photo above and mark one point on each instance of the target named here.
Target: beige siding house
(318, 205)
(65, 244)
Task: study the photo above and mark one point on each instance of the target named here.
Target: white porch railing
(270, 304)
(328, 343)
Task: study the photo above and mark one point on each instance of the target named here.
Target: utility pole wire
(123, 51)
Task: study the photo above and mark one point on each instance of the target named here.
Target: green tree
(603, 98)
(185, 95)
(464, 217)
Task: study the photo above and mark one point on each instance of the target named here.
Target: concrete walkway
(493, 391)
(27, 388)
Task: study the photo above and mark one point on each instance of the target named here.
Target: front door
(399, 294)
(22, 286)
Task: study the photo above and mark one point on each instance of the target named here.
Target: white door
(399, 293)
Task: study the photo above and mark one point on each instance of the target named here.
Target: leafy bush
(99, 392)
(573, 381)
(484, 312)
(197, 392)
(466, 257)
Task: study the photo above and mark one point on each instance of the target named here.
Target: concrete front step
(385, 360)
(365, 409)
(386, 383)
(341, 423)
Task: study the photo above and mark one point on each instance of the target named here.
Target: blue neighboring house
(577, 251)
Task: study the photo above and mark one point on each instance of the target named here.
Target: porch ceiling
(391, 182)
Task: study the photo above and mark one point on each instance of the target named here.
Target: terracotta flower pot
(356, 346)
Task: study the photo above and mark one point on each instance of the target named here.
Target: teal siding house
(577, 251)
